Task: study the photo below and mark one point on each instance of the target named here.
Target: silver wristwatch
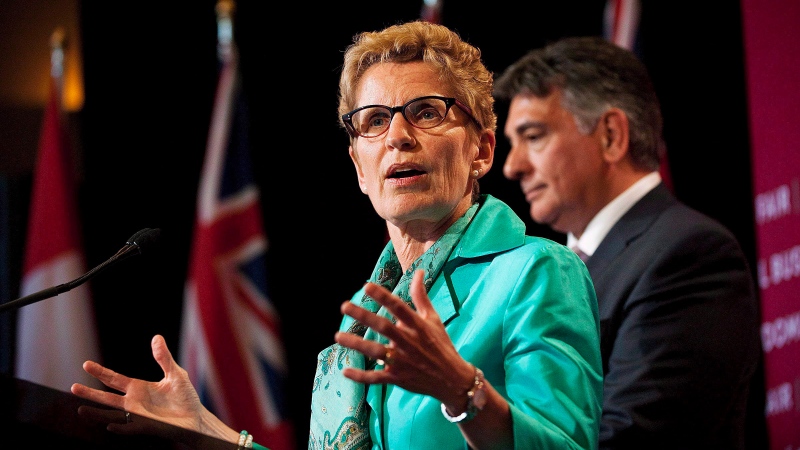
(476, 400)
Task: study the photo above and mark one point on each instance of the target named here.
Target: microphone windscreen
(144, 238)
(132, 240)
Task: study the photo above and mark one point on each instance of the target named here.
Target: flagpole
(225, 48)
(57, 44)
(432, 11)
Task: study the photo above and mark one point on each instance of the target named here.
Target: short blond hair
(459, 64)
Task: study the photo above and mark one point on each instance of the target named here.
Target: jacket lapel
(479, 240)
(629, 227)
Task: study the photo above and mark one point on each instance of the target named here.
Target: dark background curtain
(150, 75)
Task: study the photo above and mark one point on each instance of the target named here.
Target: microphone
(135, 245)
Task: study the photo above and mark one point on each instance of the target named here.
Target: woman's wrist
(471, 401)
(245, 440)
(211, 425)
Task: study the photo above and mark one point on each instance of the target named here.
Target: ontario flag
(230, 332)
(56, 335)
(621, 26)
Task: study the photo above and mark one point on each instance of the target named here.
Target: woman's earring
(476, 173)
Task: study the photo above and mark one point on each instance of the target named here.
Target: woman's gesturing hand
(420, 356)
(172, 400)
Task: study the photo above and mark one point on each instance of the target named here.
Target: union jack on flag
(230, 334)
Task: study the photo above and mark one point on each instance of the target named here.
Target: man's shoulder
(680, 217)
(673, 216)
(664, 227)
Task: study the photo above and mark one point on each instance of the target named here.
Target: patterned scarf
(339, 411)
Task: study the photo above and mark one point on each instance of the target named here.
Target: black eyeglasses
(423, 112)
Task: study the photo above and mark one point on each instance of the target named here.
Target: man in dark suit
(679, 314)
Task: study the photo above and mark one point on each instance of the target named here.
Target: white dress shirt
(601, 223)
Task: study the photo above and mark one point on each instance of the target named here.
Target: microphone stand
(132, 247)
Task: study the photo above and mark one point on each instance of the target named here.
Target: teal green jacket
(523, 309)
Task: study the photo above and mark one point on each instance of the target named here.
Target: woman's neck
(413, 238)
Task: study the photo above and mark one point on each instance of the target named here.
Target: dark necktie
(583, 256)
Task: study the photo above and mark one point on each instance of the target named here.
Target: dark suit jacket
(679, 323)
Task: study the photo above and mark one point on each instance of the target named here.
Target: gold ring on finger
(388, 356)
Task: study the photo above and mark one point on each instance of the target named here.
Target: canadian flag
(54, 336)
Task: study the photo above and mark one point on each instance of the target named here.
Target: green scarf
(339, 411)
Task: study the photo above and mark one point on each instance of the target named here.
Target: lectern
(33, 416)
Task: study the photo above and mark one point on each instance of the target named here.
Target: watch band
(476, 400)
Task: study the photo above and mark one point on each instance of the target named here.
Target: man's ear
(615, 134)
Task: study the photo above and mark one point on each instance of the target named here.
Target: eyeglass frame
(347, 118)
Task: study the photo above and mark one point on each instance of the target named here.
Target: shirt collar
(601, 223)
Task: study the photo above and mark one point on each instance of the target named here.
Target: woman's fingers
(372, 349)
(399, 308)
(391, 302)
(410, 324)
(419, 295)
(418, 340)
(104, 398)
(162, 355)
(107, 376)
